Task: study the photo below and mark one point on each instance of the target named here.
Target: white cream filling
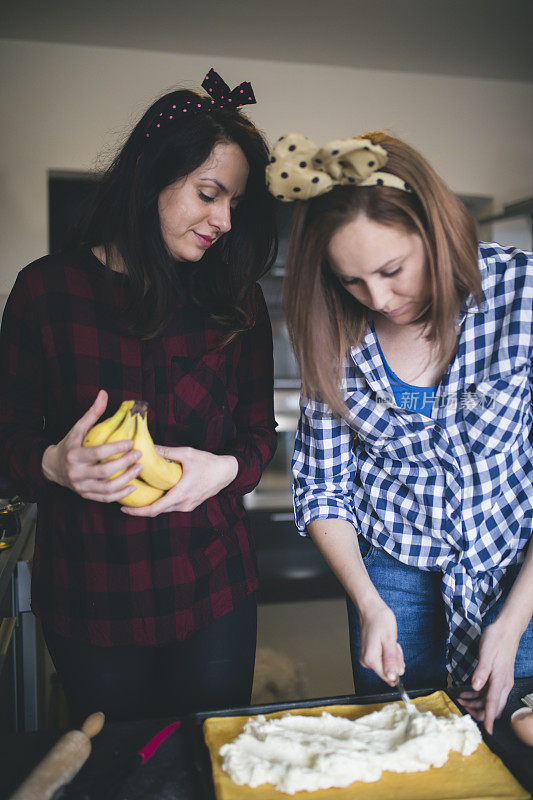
(304, 753)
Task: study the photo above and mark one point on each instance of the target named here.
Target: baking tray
(200, 753)
(515, 755)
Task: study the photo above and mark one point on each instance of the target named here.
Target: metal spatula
(409, 706)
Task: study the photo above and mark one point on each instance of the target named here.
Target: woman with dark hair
(150, 610)
(413, 460)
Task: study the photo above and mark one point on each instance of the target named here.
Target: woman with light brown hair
(413, 460)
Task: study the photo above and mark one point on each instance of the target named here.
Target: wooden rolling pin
(62, 763)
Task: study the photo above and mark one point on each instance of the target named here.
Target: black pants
(211, 669)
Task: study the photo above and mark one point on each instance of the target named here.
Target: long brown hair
(324, 320)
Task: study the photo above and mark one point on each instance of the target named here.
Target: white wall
(64, 104)
(514, 232)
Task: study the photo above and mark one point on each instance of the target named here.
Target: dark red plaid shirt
(99, 575)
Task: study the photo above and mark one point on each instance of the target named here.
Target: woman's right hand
(70, 464)
(380, 649)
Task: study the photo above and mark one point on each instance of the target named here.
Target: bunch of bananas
(131, 422)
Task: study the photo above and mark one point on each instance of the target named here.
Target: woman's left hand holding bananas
(78, 468)
(204, 475)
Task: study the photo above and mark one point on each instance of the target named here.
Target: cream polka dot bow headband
(299, 170)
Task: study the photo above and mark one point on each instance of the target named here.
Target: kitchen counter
(179, 769)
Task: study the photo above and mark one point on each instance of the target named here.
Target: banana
(126, 425)
(99, 433)
(126, 430)
(157, 471)
(143, 495)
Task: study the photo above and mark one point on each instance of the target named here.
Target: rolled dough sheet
(480, 776)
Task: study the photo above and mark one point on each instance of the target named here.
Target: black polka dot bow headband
(221, 97)
(299, 170)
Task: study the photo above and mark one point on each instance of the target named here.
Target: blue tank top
(412, 398)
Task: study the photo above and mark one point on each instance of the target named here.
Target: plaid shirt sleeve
(22, 440)
(324, 467)
(255, 442)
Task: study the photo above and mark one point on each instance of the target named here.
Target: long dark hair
(124, 218)
(318, 307)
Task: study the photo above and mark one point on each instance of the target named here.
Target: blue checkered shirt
(452, 492)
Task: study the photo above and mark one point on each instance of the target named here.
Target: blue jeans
(415, 597)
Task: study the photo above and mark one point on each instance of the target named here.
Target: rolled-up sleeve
(324, 467)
